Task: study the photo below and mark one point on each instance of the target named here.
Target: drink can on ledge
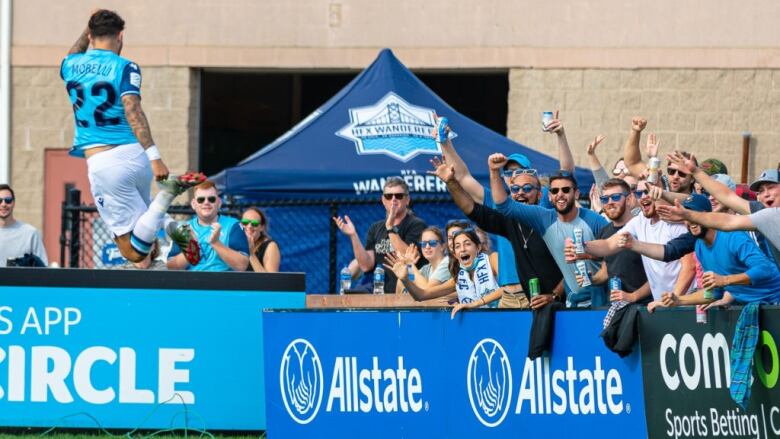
(615, 284)
(579, 245)
(701, 314)
(533, 287)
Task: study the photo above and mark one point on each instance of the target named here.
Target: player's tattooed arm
(81, 45)
(137, 119)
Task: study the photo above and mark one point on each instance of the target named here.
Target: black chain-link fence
(304, 229)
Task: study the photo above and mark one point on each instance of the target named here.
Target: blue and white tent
(377, 126)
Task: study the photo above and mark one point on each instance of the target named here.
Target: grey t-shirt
(18, 239)
(440, 274)
(767, 221)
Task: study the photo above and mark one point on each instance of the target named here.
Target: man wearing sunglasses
(555, 226)
(518, 172)
(16, 238)
(399, 229)
(222, 241)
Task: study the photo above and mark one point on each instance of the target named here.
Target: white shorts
(121, 181)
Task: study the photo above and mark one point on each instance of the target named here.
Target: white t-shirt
(660, 275)
(767, 221)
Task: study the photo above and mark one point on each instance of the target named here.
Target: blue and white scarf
(476, 282)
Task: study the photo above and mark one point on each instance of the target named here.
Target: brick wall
(703, 111)
(42, 118)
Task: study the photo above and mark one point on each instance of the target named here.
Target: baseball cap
(697, 202)
(768, 176)
(726, 180)
(520, 159)
(714, 166)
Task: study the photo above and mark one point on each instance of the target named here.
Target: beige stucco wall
(42, 118)
(703, 111)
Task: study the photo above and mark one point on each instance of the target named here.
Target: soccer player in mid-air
(113, 134)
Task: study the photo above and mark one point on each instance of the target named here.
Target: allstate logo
(392, 127)
(489, 382)
(300, 379)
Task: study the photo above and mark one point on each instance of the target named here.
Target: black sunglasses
(526, 188)
(613, 198)
(565, 190)
(7, 200)
(672, 171)
(399, 196)
(212, 199)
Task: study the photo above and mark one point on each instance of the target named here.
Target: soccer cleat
(181, 234)
(178, 185)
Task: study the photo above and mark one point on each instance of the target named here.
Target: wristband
(153, 153)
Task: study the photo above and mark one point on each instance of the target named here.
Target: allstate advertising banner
(687, 369)
(133, 357)
(419, 374)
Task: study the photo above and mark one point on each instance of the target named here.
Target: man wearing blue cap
(730, 260)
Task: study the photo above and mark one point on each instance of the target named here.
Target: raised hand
(651, 148)
(673, 214)
(595, 199)
(345, 225)
(411, 255)
(594, 144)
(216, 228)
(396, 265)
(684, 164)
(555, 125)
(655, 192)
(638, 124)
(442, 170)
(497, 161)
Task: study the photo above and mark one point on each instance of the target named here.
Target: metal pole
(332, 260)
(74, 200)
(745, 155)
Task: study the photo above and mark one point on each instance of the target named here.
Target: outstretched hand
(594, 144)
(682, 163)
(345, 225)
(395, 264)
(673, 214)
(651, 148)
(441, 169)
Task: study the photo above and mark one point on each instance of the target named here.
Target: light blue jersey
(96, 81)
(230, 234)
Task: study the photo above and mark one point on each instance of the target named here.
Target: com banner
(130, 357)
(419, 374)
(687, 368)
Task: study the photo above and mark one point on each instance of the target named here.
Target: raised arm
(564, 152)
(712, 220)
(140, 125)
(445, 171)
(81, 44)
(718, 190)
(496, 163)
(365, 258)
(632, 157)
(462, 173)
(398, 267)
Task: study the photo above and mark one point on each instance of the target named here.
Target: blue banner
(420, 374)
(133, 357)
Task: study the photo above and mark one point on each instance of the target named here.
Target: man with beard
(730, 259)
(532, 258)
(625, 265)
(517, 167)
(676, 275)
(677, 179)
(767, 187)
(555, 226)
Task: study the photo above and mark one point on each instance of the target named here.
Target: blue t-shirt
(736, 253)
(231, 235)
(95, 82)
(554, 232)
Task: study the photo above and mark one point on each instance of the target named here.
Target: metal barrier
(307, 236)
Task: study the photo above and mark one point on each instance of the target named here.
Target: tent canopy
(377, 126)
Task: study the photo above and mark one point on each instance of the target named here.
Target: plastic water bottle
(345, 278)
(379, 280)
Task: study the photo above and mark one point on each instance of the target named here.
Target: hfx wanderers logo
(300, 380)
(489, 382)
(393, 127)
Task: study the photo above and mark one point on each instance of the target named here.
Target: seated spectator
(264, 254)
(222, 242)
(436, 271)
(17, 239)
(474, 278)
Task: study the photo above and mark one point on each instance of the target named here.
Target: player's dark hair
(105, 23)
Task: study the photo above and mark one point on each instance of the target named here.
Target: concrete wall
(703, 111)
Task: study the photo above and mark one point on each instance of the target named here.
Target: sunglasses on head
(460, 232)
(249, 222)
(398, 196)
(429, 243)
(457, 223)
(7, 200)
(672, 172)
(509, 173)
(212, 199)
(613, 198)
(565, 190)
(526, 188)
